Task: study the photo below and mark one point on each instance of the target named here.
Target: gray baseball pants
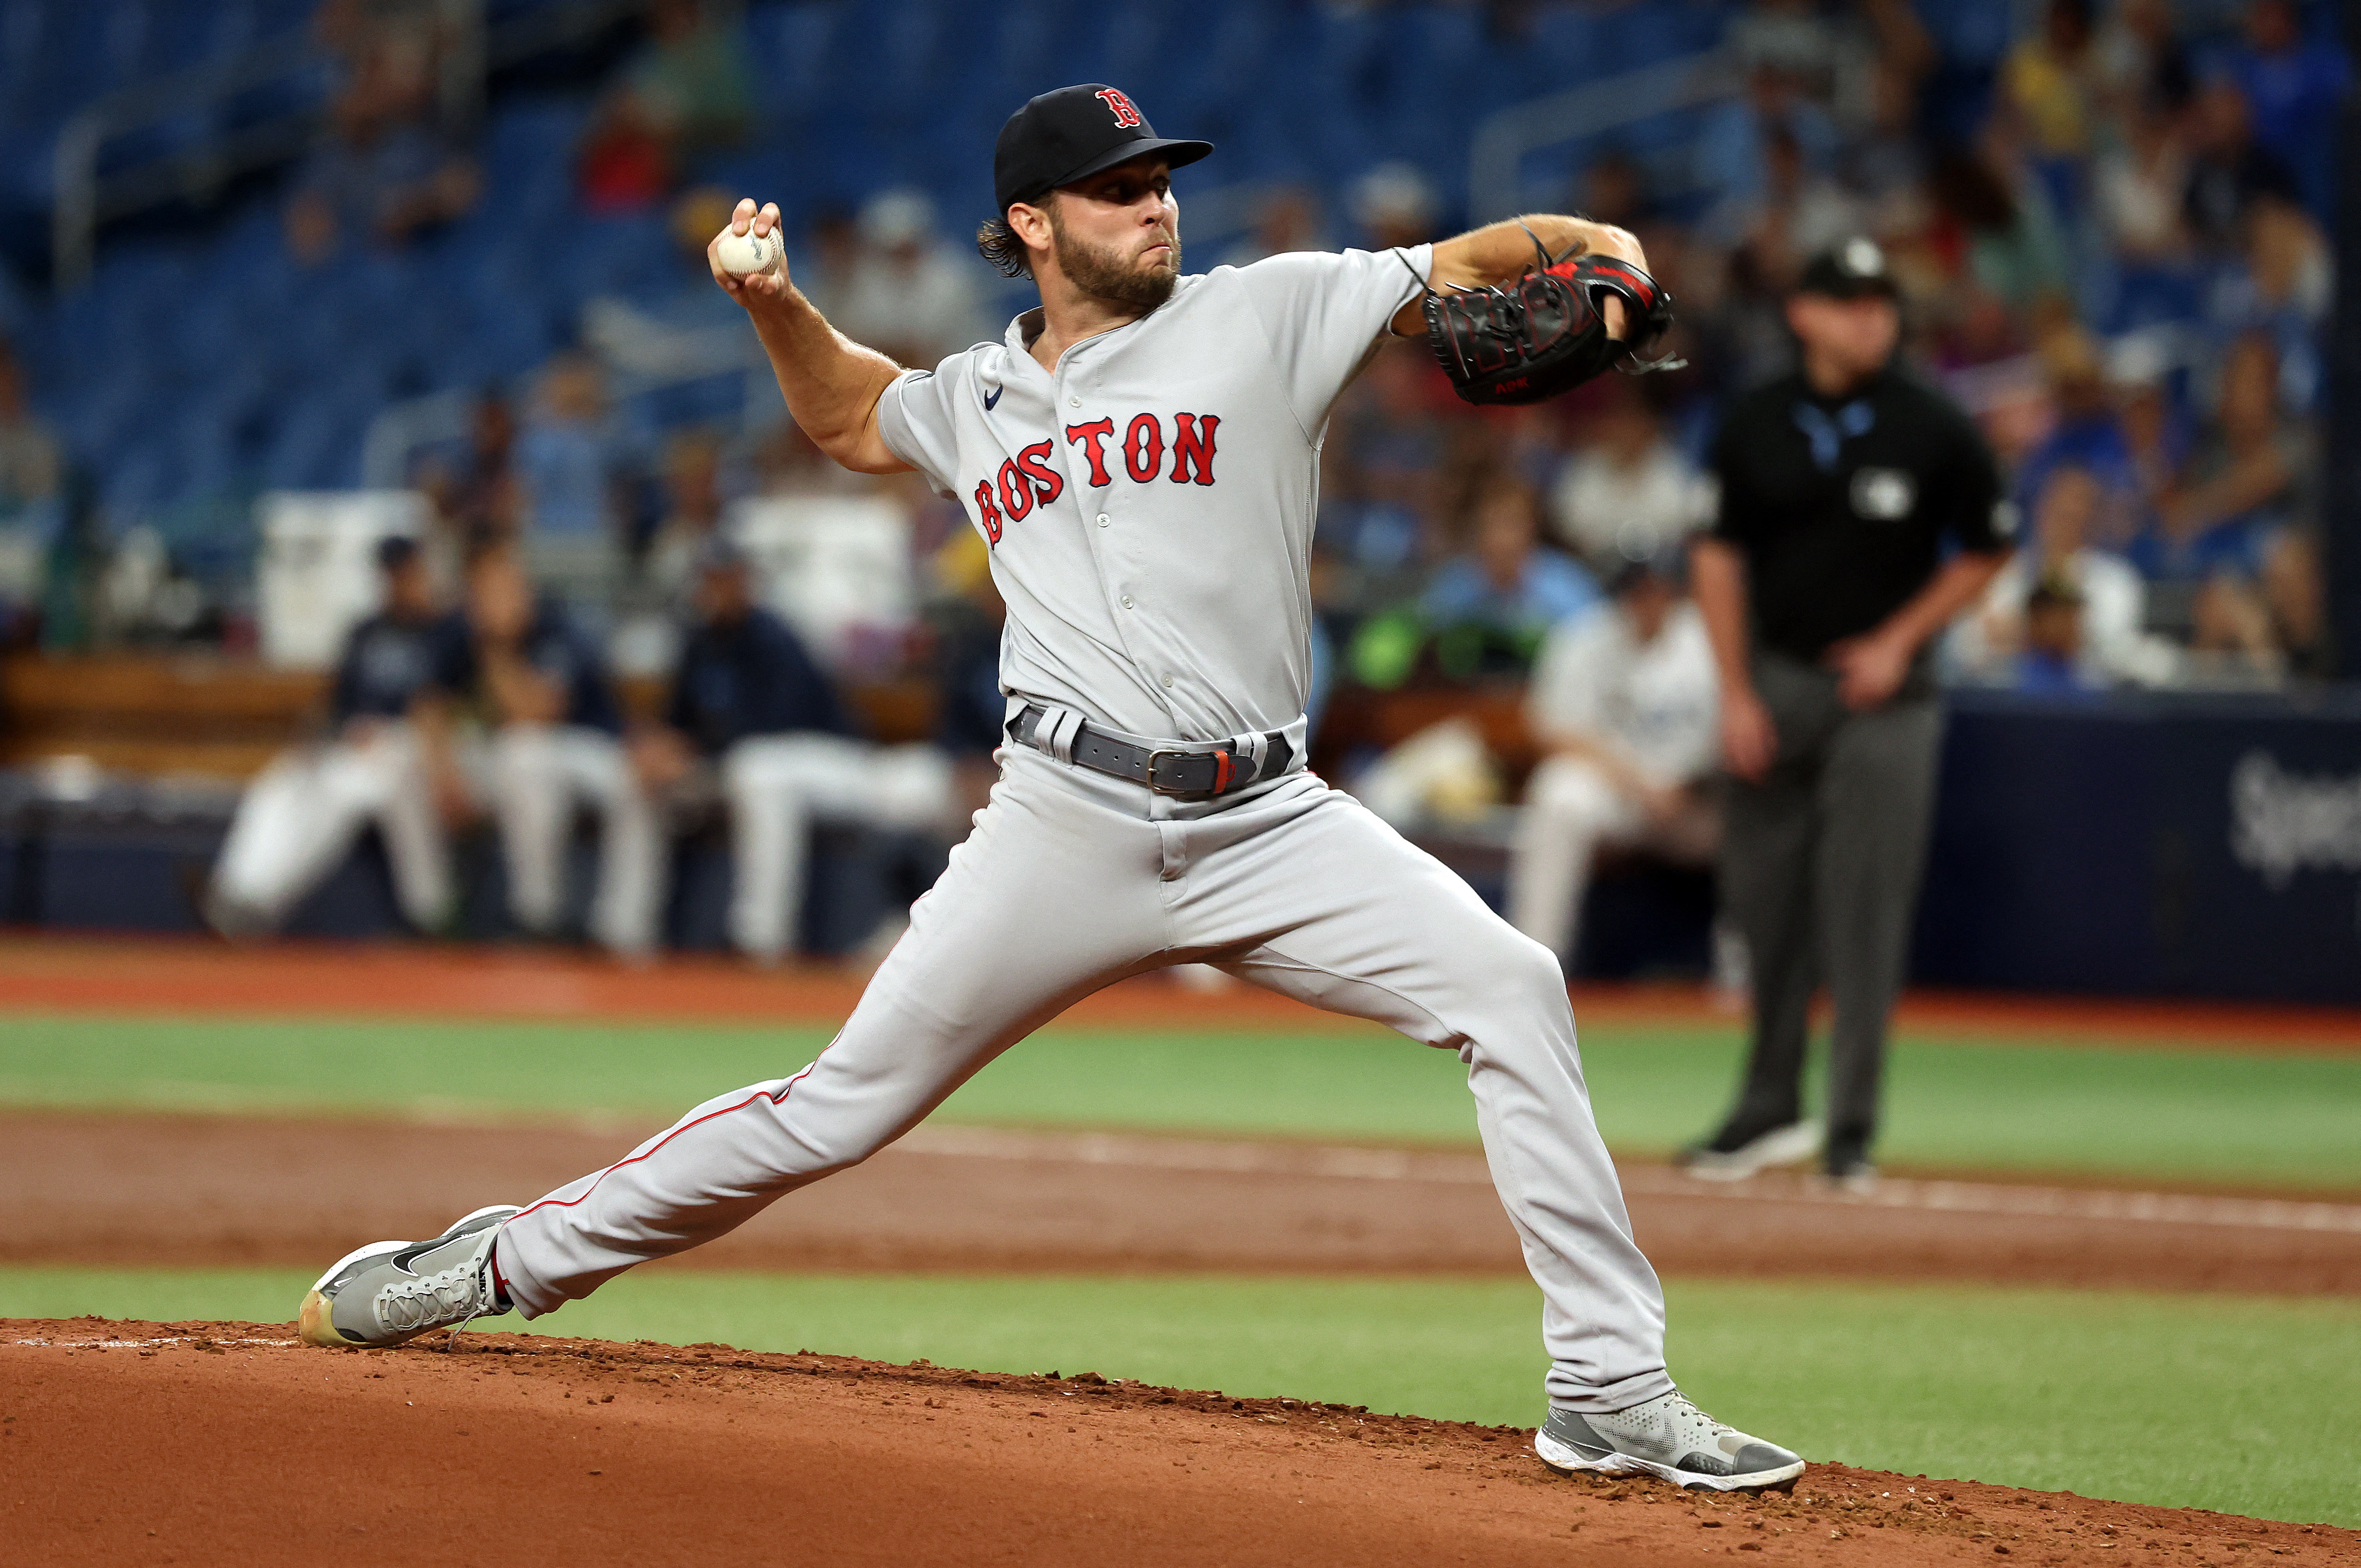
(1820, 867)
(1071, 881)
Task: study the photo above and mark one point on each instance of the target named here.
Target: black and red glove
(1543, 334)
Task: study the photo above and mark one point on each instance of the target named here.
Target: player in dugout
(383, 763)
(539, 685)
(1141, 452)
(754, 720)
(1860, 512)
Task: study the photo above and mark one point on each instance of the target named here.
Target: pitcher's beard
(1105, 275)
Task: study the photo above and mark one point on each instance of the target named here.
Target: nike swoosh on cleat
(992, 397)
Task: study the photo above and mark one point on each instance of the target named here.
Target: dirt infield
(228, 1443)
(193, 975)
(195, 1191)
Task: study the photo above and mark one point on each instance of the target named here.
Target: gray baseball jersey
(1149, 508)
(1150, 503)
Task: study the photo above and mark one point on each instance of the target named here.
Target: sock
(499, 1280)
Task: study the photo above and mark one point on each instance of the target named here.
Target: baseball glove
(1542, 334)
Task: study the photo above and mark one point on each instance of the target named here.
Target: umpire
(1860, 510)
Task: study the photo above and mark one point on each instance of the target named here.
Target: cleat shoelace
(430, 1300)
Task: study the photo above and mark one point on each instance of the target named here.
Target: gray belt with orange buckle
(1187, 770)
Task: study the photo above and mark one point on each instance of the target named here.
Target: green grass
(2123, 1115)
(2248, 1405)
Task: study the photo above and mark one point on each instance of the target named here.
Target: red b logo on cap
(1126, 116)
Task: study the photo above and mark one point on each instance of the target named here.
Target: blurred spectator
(687, 90)
(32, 497)
(688, 331)
(478, 494)
(2292, 85)
(1381, 469)
(1734, 144)
(1624, 702)
(388, 167)
(385, 762)
(753, 717)
(2228, 168)
(2140, 59)
(1285, 220)
(1796, 210)
(539, 687)
(692, 518)
(2109, 601)
(1395, 203)
(1625, 492)
(2136, 190)
(909, 296)
(2280, 288)
(2086, 433)
(2235, 529)
(1506, 590)
(2247, 482)
(2000, 229)
(574, 463)
(2050, 79)
(2051, 662)
(832, 258)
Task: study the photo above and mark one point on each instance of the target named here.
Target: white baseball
(743, 255)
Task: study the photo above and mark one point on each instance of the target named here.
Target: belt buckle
(1224, 771)
(1153, 754)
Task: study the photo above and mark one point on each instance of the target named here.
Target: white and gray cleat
(391, 1292)
(1668, 1438)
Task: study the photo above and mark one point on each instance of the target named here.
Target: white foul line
(1646, 1180)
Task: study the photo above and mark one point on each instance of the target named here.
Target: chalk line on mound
(142, 1344)
(1645, 1181)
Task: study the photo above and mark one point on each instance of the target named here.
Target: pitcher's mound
(231, 1443)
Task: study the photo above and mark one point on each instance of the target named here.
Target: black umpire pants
(1820, 869)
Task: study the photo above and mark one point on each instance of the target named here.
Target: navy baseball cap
(1074, 132)
(1850, 270)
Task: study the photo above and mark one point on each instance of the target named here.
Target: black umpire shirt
(1843, 506)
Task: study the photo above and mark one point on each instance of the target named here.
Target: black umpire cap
(1063, 135)
(1850, 270)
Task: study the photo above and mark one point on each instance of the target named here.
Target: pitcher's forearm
(831, 384)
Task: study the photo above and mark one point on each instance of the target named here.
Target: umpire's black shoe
(1847, 1164)
(1736, 1152)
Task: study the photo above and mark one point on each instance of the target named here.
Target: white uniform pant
(1071, 881)
(298, 820)
(778, 785)
(540, 773)
(1571, 813)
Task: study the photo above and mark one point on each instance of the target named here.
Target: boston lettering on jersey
(1026, 480)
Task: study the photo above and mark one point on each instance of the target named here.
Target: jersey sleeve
(1322, 314)
(915, 419)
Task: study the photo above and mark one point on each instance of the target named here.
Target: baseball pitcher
(1141, 455)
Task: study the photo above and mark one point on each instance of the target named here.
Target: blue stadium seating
(201, 362)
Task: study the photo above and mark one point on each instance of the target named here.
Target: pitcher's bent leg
(1045, 902)
(1365, 924)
